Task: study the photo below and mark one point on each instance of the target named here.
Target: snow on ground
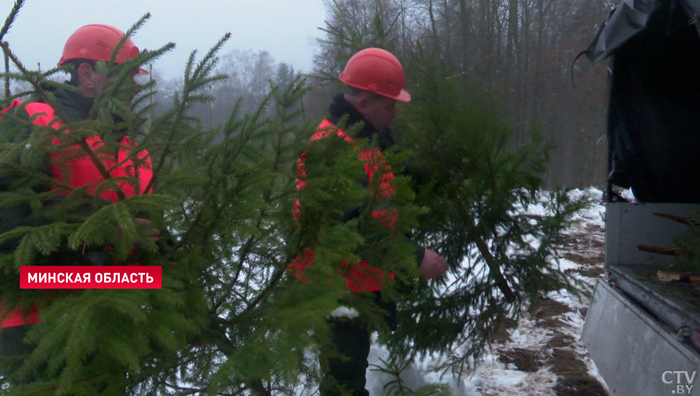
(541, 354)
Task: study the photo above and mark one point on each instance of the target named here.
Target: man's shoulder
(326, 123)
(11, 122)
(24, 109)
(329, 128)
(15, 108)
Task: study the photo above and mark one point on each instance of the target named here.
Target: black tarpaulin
(626, 20)
(654, 109)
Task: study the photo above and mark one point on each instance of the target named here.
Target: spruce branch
(127, 35)
(39, 176)
(100, 166)
(495, 271)
(230, 152)
(194, 80)
(11, 18)
(15, 61)
(8, 93)
(272, 286)
(187, 391)
(258, 388)
(123, 84)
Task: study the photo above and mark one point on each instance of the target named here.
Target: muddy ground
(544, 343)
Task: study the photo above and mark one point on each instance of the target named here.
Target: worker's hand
(153, 233)
(433, 265)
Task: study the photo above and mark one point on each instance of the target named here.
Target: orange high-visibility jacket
(363, 277)
(80, 172)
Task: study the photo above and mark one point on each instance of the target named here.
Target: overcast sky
(285, 28)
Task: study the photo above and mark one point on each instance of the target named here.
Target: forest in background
(520, 52)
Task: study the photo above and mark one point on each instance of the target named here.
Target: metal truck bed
(636, 354)
(676, 304)
(638, 329)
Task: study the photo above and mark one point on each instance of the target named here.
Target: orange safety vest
(81, 171)
(363, 277)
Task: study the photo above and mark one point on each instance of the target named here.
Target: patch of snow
(495, 378)
(569, 300)
(528, 334)
(566, 264)
(592, 193)
(490, 376)
(418, 374)
(628, 194)
(345, 312)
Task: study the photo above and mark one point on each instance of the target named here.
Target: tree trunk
(433, 26)
(464, 35)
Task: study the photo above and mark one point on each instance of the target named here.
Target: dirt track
(544, 344)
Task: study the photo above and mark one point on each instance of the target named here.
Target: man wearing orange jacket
(83, 49)
(374, 80)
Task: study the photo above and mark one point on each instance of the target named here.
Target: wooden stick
(657, 249)
(679, 219)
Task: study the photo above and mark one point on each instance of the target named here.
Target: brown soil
(522, 359)
(559, 340)
(589, 271)
(583, 312)
(588, 251)
(574, 379)
(586, 248)
(546, 311)
(583, 260)
(546, 308)
(502, 334)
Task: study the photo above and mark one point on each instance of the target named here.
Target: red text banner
(90, 277)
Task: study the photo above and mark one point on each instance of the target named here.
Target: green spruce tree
(230, 318)
(480, 193)
(475, 187)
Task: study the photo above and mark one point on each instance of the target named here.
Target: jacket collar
(76, 107)
(72, 105)
(340, 107)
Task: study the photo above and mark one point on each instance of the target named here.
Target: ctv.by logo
(684, 380)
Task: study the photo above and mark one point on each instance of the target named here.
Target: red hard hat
(376, 70)
(96, 42)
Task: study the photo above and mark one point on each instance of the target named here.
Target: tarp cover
(654, 109)
(627, 19)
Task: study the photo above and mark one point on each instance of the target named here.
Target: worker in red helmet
(374, 80)
(83, 49)
(89, 45)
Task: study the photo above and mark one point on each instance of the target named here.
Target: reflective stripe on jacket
(80, 172)
(362, 277)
